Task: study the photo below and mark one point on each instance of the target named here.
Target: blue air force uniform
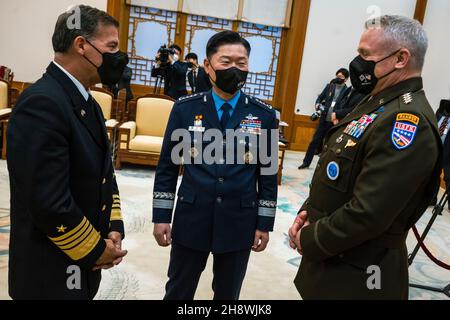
(220, 205)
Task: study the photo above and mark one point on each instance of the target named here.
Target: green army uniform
(378, 172)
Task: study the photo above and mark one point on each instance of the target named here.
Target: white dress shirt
(77, 83)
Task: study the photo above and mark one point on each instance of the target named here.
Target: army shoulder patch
(404, 130)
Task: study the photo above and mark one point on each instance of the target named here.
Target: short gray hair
(406, 32)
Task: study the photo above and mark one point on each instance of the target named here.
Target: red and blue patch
(404, 131)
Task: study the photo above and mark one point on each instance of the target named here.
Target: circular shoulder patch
(333, 170)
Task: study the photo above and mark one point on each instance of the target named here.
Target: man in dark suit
(197, 77)
(443, 116)
(225, 207)
(331, 95)
(349, 101)
(124, 83)
(66, 222)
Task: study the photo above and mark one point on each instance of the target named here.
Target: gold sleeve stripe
(116, 215)
(116, 206)
(75, 237)
(116, 196)
(80, 239)
(85, 247)
(70, 233)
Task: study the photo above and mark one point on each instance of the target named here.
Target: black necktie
(225, 116)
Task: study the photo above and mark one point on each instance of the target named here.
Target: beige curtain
(171, 5)
(266, 12)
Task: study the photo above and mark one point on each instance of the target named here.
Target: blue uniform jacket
(219, 206)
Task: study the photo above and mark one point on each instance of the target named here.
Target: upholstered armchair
(5, 100)
(111, 109)
(141, 139)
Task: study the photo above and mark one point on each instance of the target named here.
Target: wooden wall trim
(180, 34)
(303, 130)
(120, 10)
(421, 7)
(291, 61)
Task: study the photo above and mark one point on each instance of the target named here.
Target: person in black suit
(349, 101)
(66, 222)
(331, 95)
(197, 77)
(443, 117)
(174, 74)
(124, 83)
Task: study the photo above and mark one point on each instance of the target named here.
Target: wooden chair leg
(117, 163)
(3, 126)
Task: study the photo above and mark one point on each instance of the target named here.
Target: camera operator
(197, 77)
(325, 104)
(172, 70)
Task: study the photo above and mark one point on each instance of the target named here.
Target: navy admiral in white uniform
(227, 209)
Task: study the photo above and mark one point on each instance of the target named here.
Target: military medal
(357, 128)
(248, 157)
(194, 152)
(251, 125)
(198, 124)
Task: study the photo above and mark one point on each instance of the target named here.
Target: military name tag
(357, 128)
(196, 129)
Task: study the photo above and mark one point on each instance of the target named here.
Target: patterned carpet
(142, 275)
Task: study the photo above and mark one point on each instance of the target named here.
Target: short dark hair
(191, 55)
(89, 19)
(223, 38)
(175, 46)
(344, 72)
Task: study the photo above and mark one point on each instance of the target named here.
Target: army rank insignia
(357, 128)
(251, 125)
(404, 131)
(198, 124)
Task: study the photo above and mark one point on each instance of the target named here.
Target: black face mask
(338, 81)
(112, 66)
(230, 80)
(362, 73)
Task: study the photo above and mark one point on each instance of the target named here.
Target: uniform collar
(370, 104)
(77, 83)
(219, 102)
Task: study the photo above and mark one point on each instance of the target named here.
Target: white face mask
(176, 57)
